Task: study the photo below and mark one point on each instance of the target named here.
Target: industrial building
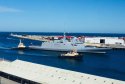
(105, 40)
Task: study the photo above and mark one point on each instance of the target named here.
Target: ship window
(118, 43)
(102, 40)
(79, 43)
(74, 44)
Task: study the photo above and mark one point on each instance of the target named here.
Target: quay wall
(7, 81)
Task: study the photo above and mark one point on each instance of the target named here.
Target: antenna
(64, 37)
(20, 40)
(64, 34)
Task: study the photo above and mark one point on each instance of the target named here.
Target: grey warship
(66, 46)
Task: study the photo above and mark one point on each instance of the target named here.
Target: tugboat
(71, 54)
(21, 45)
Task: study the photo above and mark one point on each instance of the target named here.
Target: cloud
(4, 9)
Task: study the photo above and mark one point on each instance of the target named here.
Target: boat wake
(11, 38)
(38, 55)
(5, 48)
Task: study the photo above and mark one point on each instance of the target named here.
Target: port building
(104, 40)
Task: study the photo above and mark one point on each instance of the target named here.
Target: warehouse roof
(51, 75)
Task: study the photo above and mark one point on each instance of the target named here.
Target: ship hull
(86, 49)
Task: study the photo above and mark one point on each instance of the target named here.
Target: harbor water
(110, 64)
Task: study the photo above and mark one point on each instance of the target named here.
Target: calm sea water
(109, 65)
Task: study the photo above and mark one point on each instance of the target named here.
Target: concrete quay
(30, 73)
(33, 37)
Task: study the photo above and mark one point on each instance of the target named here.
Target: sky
(86, 16)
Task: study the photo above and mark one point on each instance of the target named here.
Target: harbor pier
(102, 42)
(22, 72)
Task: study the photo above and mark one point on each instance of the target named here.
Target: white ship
(65, 45)
(21, 45)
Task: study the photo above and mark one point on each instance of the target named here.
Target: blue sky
(90, 16)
